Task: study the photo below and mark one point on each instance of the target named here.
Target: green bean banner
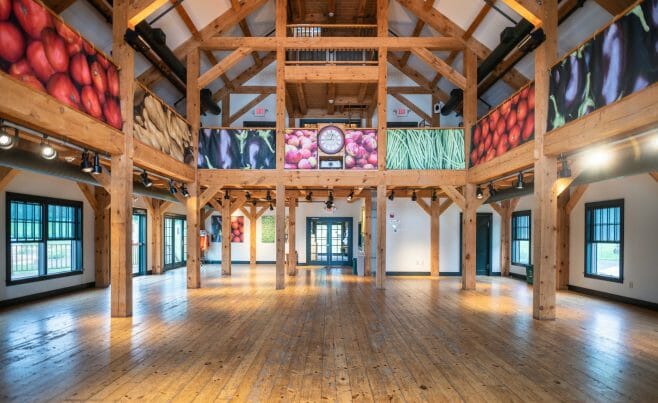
(425, 149)
(616, 62)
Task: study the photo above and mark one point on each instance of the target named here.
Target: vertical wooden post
(156, 238)
(435, 227)
(469, 217)
(367, 235)
(121, 179)
(382, 31)
(545, 220)
(292, 251)
(436, 117)
(563, 228)
(380, 276)
(226, 110)
(227, 236)
(192, 204)
(280, 26)
(505, 228)
(252, 236)
(102, 238)
(280, 236)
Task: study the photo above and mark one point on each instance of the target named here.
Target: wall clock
(331, 139)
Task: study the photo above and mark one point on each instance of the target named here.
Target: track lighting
(329, 204)
(48, 152)
(350, 196)
(268, 196)
(183, 190)
(519, 181)
(565, 171)
(172, 187)
(254, 202)
(492, 190)
(271, 207)
(7, 141)
(309, 196)
(598, 157)
(331, 196)
(97, 169)
(391, 196)
(145, 179)
(413, 196)
(478, 193)
(434, 196)
(227, 196)
(247, 196)
(85, 163)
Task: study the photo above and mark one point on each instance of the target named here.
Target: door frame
(350, 241)
(489, 248)
(143, 234)
(173, 265)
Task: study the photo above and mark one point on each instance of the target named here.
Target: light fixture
(227, 196)
(598, 157)
(330, 100)
(413, 196)
(85, 163)
(350, 196)
(391, 196)
(183, 190)
(565, 171)
(172, 187)
(478, 193)
(271, 207)
(268, 196)
(8, 141)
(145, 179)
(519, 181)
(331, 14)
(254, 202)
(309, 196)
(434, 196)
(247, 196)
(47, 151)
(97, 169)
(492, 190)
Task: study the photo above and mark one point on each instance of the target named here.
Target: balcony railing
(331, 55)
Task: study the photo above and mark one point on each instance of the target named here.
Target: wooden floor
(330, 336)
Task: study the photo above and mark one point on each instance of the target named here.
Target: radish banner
(41, 51)
(237, 149)
(425, 148)
(616, 62)
(507, 126)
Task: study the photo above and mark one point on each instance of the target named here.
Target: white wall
(39, 185)
(265, 252)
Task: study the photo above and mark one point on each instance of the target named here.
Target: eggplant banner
(44, 53)
(616, 62)
(237, 149)
(425, 148)
(507, 126)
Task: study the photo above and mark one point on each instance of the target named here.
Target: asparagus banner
(237, 149)
(425, 149)
(616, 62)
(509, 125)
(41, 51)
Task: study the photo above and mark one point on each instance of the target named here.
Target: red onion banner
(508, 126)
(41, 51)
(616, 62)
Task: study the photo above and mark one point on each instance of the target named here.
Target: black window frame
(45, 202)
(515, 215)
(173, 265)
(589, 211)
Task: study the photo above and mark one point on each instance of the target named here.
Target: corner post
(380, 276)
(192, 203)
(469, 215)
(280, 236)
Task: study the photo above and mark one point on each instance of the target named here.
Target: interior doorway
(139, 242)
(329, 241)
(175, 242)
(483, 239)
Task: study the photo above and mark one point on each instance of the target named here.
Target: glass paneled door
(175, 241)
(329, 241)
(139, 242)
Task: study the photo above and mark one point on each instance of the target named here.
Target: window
(44, 238)
(175, 241)
(521, 238)
(604, 240)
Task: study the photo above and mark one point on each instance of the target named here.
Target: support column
(367, 235)
(469, 217)
(505, 228)
(252, 236)
(192, 203)
(157, 250)
(382, 31)
(280, 236)
(280, 26)
(226, 237)
(292, 251)
(435, 218)
(226, 110)
(563, 220)
(380, 276)
(121, 178)
(436, 117)
(102, 238)
(545, 219)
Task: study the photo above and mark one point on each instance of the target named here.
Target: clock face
(331, 139)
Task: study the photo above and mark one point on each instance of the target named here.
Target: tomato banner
(507, 126)
(41, 51)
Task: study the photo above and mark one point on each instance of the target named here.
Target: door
(175, 241)
(139, 242)
(483, 235)
(329, 241)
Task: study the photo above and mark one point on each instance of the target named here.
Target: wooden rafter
(58, 6)
(440, 66)
(244, 27)
(528, 9)
(246, 108)
(245, 76)
(6, 176)
(406, 102)
(223, 66)
(138, 10)
(301, 98)
(417, 78)
(420, 24)
(654, 175)
(615, 7)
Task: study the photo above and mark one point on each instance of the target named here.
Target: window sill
(605, 278)
(42, 278)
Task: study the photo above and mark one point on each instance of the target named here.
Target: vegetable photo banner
(425, 148)
(507, 126)
(44, 53)
(237, 149)
(237, 229)
(159, 126)
(616, 62)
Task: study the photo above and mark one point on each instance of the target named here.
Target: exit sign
(260, 112)
(401, 112)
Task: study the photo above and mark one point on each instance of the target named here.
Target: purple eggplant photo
(236, 149)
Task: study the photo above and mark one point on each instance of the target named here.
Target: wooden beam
(528, 9)
(454, 195)
(469, 217)
(102, 238)
(193, 205)
(253, 220)
(394, 43)
(58, 6)
(440, 66)
(121, 173)
(301, 98)
(138, 10)
(226, 238)
(514, 160)
(380, 276)
(435, 234)
(6, 176)
(424, 206)
(281, 96)
(245, 76)
(418, 28)
(257, 100)
(223, 66)
(654, 175)
(157, 249)
(615, 7)
(444, 206)
(415, 108)
(226, 110)
(244, 27)
(330, 74)
(505, 212)
(280, 229)
(382, 105)
(562, 252)
(292, 249)
(367, 235)
(417, 77)
(157, 161)
(576, 194)
(89, 194)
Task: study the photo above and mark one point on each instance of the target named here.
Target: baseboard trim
(449, 274)
(239, 262)
(46, 294)
(518, 276)
(408, 273)
(614, 297)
